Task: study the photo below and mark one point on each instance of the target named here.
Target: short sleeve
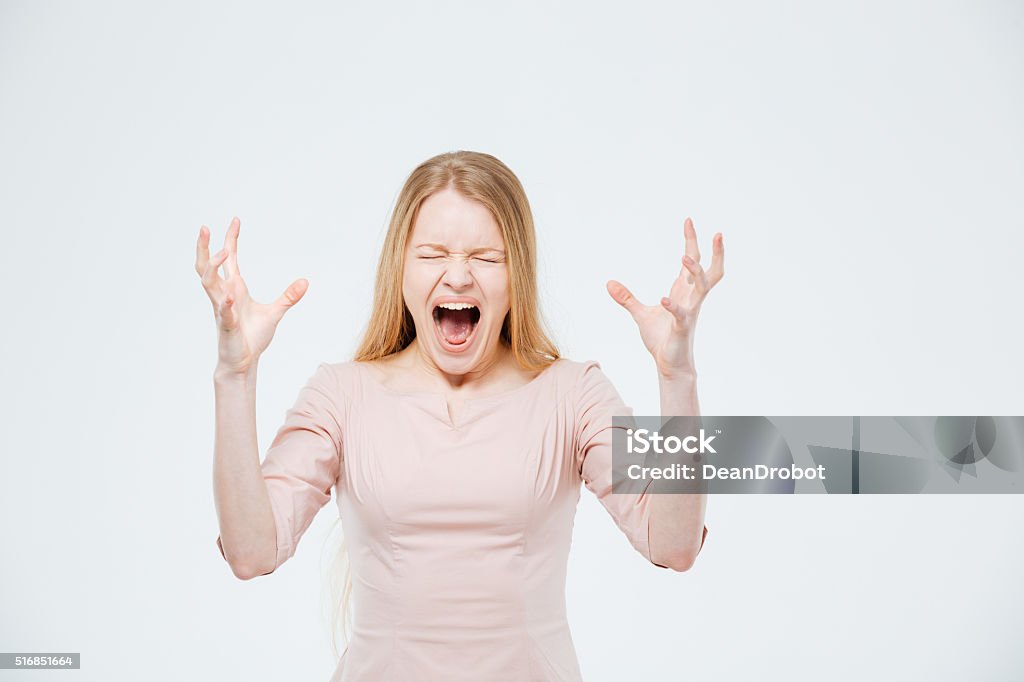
(596, 402)
(304, 461)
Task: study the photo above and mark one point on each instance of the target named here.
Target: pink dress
(458, 533)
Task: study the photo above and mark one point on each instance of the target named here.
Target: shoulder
(576, 370)
(338, 380)
(343, 374)
(582, 377)
(593, 399)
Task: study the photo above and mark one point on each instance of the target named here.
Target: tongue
(456, 325)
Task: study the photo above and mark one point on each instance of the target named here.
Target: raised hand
(667, 329)
(245, 326)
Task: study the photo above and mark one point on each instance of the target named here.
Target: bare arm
(247, 533)
(245, 329)
(667, 330)
(677, 521)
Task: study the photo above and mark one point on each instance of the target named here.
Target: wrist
(683, 374)
(229, 375)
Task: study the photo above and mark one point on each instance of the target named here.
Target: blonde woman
(456, 440)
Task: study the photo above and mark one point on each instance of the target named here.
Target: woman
(456, 439)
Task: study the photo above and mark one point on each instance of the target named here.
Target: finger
(231, 244)
(210, 276)
(717, 269)
(202, 249)
(228, 313)
(624, 297)
(674, 308)
(295, 291)
(700, 280)
(684, 272)
(691, 240)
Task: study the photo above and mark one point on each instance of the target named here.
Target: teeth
(455, 306)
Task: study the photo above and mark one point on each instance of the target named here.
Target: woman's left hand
(667, 329)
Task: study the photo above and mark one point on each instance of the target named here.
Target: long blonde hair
(483, 178)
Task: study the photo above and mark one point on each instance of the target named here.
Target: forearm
(247, 531)
(677, 520)
(679, 394)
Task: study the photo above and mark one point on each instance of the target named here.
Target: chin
(466, 358)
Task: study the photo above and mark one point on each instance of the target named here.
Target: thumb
(228, 314)
(292, 295)
(624, 297)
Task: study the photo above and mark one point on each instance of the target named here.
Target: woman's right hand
(245, 326)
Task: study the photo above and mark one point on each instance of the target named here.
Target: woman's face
(455, 282)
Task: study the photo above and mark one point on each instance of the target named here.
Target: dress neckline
(434, 395)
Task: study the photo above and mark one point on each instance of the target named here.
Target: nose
(457, 274)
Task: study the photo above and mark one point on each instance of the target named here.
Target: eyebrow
(442, 247)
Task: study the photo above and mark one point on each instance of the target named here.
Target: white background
(864, 163)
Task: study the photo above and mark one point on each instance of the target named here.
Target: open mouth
(456, 322)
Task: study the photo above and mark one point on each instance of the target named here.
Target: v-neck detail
(463, 407)
(467, 407)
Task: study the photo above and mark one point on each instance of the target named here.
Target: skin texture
(245, 328)
(455, 249)
(667, 329)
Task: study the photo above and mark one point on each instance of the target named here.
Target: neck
(488, 371)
